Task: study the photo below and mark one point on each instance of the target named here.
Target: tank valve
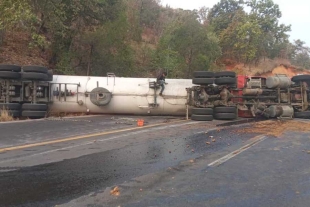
(80, 102)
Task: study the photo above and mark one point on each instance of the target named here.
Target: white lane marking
(235, 153)
(103, 140)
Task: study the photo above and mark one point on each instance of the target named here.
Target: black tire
(203, 81)
(35, 69)
(299, 78)
(302, 115)
(224, 109)
(202, 111)
(12, 68)
(34, 107)
(225, 74)
(225, 116)
(196, 117)
(49, 75)
(34, 114)
(225, 81)
(34, 76)
(9, 75)
(14, 113)
(10, 106)
(203, 74)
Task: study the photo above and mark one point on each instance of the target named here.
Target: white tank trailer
(137, 96)
(117, 95)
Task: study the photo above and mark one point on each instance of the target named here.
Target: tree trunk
(2, 34)
(89, 60)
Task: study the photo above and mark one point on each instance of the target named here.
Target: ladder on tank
(154, 85)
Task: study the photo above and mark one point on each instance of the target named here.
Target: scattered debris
(115, 191)
(276, 128)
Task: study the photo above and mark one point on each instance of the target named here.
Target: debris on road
(276, 128)
(115, 191)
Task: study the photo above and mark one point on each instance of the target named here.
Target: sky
(295, 13)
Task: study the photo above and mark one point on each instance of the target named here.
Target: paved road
(170, 162)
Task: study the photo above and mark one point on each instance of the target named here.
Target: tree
(267, 14)
(221, 14)
(241, 39)
(196, 47)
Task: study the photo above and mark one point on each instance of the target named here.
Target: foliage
(141, 38)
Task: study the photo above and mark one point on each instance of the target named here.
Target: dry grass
(64, 114)
(5, 116)
(276, 128)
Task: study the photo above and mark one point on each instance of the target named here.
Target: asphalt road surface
(168, 162)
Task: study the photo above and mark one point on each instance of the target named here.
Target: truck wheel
(10, 106)
(224, 109)
(12, 68)
(14, 113)
(202, 111)
(203, 74)
(301, 78)
(34, 114)
(302, 114)
(225, 81)
(225, 74)
(34, 76)
(225, 116)
(49, 75)
(196, 117)
(34, 107)
(35, 69)
(9, 75)
(203, 81)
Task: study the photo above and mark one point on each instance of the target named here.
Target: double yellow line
(81, 137)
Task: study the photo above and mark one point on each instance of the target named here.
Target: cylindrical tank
(288, 111)
(280, 111)
(275, 111)
(117, 95)
(252, 92)
(278, 82)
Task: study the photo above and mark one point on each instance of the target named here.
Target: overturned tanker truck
(34, 92)
(225, 95)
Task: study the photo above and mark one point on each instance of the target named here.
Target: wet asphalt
(160, 166)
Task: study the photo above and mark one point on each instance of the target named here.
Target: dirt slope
(15, 50)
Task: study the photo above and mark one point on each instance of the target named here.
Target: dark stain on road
(57, 183)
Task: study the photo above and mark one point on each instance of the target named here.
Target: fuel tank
(252, 92)
(279, 81)
(281, 111)
(117, 95)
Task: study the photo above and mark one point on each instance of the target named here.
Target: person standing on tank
(162, 81)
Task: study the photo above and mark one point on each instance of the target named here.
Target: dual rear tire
(218, 78)
(219, 113)
(34, 111)
(225, 113)
(202, 114)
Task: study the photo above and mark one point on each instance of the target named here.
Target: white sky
(296, 13)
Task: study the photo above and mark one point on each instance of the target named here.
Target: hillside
(141, 38)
